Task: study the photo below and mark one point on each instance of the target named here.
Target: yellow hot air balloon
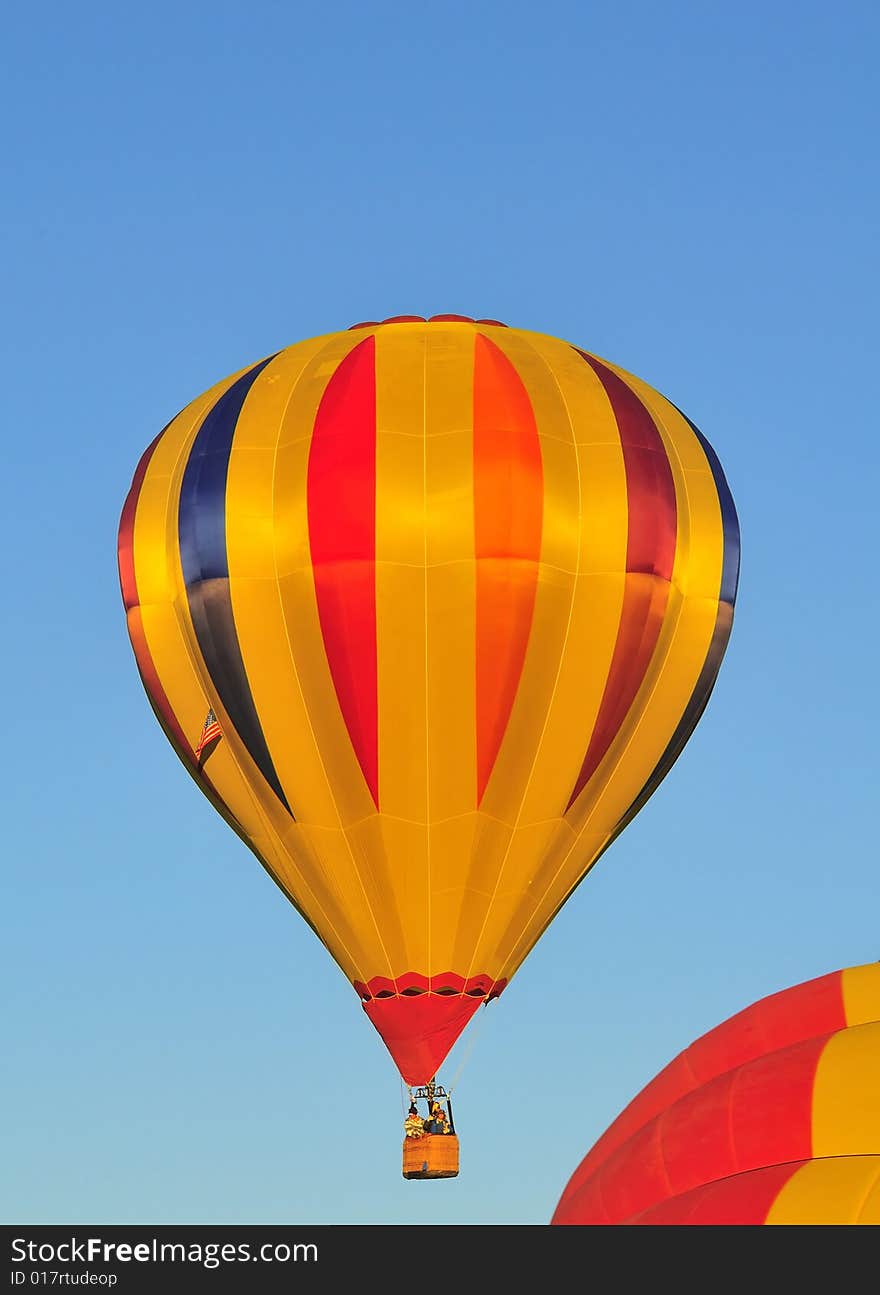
(429, 608)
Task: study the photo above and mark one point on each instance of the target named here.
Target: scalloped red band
(412, 983)
(419, 1018)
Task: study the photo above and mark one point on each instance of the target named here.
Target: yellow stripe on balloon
(846, 1109)
(836, 1191)
(254, 517)
(400, 577)
(401, 636)
(451, 627)
(861, 993)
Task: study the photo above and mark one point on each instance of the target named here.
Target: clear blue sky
(691, 191)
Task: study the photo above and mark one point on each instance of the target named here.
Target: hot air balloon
(429, 608)
(772, 1117)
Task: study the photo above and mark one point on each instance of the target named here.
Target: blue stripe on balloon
(202, 511)
(203, 555)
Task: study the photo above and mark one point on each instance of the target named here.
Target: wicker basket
(433, 1155)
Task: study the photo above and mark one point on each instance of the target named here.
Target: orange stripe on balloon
(508, 516)
(342, 538)
(650, 553)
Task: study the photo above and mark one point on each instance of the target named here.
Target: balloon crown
(424, 319)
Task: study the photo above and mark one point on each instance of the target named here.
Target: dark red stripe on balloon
(650, 554)
(128, 585)
(125, 541)
(342, 538)
(508, 517)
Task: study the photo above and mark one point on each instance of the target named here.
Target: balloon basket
(434, 1155)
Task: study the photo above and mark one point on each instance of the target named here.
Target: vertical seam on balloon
(549, 708)
(735, 1077)
(868, 1193)
(654, 677)
(661, 1148)
(427, 691)
(314, 361)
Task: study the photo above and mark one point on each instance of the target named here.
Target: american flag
(210, 730)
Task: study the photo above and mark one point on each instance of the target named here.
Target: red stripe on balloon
(342, 538)
(508, 517)
(760, 1114)
(743, 1200)
(650, 553)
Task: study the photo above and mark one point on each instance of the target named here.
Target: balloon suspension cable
(405, 1102)
(476, 1030)
(428, 1090)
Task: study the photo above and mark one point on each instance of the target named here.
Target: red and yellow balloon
(772, 1117)
(456, 594)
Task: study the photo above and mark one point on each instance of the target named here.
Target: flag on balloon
(210, 732)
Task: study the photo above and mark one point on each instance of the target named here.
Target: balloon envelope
(772, 1117)
(452, 597)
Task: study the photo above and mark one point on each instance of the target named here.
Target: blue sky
(688, 190)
